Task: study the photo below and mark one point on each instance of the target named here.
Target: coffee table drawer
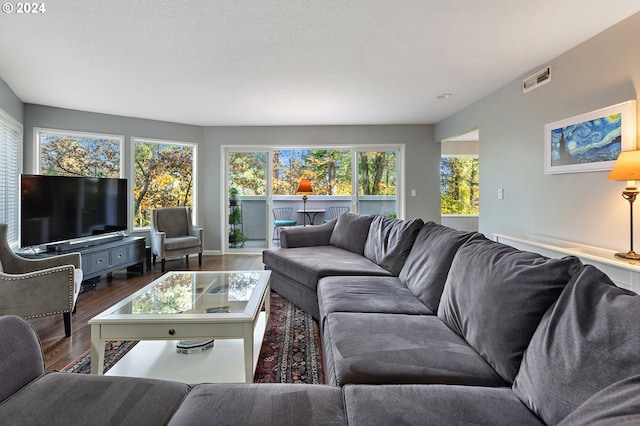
(171, 331)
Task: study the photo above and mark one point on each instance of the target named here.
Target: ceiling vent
(536, 80)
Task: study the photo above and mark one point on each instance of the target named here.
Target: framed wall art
(591, 141)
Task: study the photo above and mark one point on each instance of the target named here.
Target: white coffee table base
(158, 359)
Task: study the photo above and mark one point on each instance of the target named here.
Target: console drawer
(98, 261)
(118, 256)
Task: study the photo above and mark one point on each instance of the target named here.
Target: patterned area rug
(290, 350)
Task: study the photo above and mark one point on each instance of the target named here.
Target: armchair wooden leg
(187, 258)
(200, 259)
(154, 259)
(163, 263)
(67, 323)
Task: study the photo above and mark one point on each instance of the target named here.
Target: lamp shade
(626, 167)
(305, 186)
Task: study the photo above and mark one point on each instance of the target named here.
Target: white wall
(583, 207)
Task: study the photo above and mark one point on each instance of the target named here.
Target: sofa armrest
(21, 355)
(307, 236)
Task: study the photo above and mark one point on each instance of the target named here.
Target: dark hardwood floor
(59, 350)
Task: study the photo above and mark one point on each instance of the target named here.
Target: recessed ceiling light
(444, 96)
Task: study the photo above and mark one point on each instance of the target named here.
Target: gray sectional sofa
(457, 328)
(420, 323)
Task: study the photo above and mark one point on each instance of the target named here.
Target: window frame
(37, 131)
(132, 173)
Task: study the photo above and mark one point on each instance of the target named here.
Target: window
(459, 185)
(164, 176)
(79, 154)
(10, 167)
(329, 170)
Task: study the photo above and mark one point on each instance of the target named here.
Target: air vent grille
(536, 80)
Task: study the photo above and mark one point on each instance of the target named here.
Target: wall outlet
(413, 192)
(500, 194)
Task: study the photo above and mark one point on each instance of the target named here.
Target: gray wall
(10, 103)
(581, 207)
(422, 158)
(422, 154)
(38, 116)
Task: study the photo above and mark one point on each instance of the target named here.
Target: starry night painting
(588, 142)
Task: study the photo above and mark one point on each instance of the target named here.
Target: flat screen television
(62, 208)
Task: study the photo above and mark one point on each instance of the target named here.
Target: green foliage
(377, 173)
(247, 173)
(459, 185)
(163, 178)
(329, 171)
(73, 155)
(236, 238)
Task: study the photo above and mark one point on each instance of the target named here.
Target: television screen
(60, 208)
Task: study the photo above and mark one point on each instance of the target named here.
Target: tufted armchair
(173, 234)
(33, 288)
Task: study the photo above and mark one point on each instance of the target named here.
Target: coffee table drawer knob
(172, 332)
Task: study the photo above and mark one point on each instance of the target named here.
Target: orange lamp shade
(305, 186)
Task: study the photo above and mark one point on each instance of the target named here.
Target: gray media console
(107, 257)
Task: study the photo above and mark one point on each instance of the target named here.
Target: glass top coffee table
(179, 306)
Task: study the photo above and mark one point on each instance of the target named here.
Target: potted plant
(236, 238)
(233, 196)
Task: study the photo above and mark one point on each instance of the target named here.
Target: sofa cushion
(390, 240)
(617, 404)
(308, 264)
(264, 404)
(367, 294)
(587, 341)
(179, 243)
(434, 405)
(74, 399)
(427, 266)
(394, 348)
(351, 232)
(496, 295)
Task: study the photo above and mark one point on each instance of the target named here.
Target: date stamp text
(24, 8)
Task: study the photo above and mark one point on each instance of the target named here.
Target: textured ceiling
(287, 62)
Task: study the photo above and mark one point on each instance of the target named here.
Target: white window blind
(10, 167)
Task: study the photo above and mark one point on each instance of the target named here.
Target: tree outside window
(163, 177)
(329, 171)
(76, 154)
(377, 173)
(248, 172)
(459, 185)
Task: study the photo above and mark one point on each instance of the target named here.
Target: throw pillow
(351, 232)
(390, 240)
(586, 342)
(427, 266)
(496, 295)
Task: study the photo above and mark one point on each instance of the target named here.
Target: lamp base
(630, 256)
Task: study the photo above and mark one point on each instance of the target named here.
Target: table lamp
(304, 187)
(627, 167)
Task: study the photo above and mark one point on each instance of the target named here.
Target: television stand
(105, 257)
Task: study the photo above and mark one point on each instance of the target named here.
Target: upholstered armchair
(173, 234)
(33, 288)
